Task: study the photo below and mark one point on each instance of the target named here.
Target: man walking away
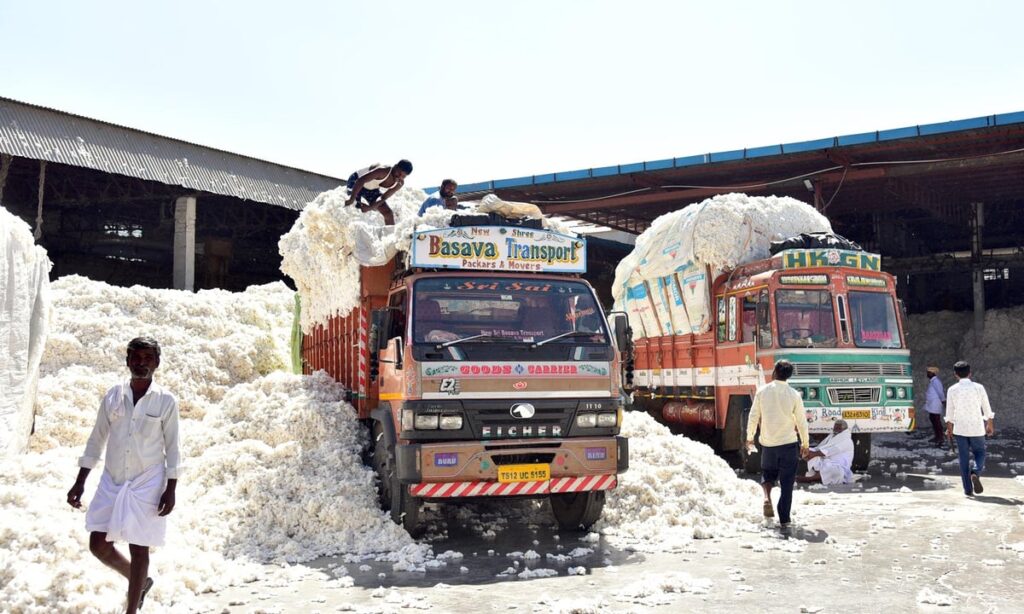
(969, 420)
(934, 401)
(138, 423)
(778, 411)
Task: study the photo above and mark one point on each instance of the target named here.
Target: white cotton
(718, 233)
(273, 471)
(329, 242)
(676, 490)
(941, 338)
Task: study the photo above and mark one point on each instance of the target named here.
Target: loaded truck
(831, 311)
(483, 366)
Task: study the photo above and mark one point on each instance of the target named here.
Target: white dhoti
(834, 467)
(833, 471)
(128, 512)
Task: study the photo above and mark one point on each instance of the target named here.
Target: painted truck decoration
(832, 312)
(484, 367)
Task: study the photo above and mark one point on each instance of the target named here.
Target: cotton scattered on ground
(943, 337)
(676, 490)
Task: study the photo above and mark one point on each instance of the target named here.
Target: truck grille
(854, 395)
(850, 368)
(495, 414)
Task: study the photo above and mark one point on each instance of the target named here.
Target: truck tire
(392, 495)
(861, 451)
(749, 461)
(577, 511)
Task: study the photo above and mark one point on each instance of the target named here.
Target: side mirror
(380, 322)
(903, 316)
(762, 315)
(622, 337)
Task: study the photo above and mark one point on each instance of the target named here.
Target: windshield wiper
(572, 333)
(488, 337)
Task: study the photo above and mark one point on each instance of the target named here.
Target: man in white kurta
(137, 426)
(831, 460)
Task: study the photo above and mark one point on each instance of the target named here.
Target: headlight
(451, 423)
(607, 420)
(426, 422)
(587, 421)
(901, 393)
(888, 393)
(408, 419)
(812, 393)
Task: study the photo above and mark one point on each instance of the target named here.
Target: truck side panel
(341, 347)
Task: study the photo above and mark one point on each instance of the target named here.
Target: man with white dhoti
(138, 423)
(830, 461)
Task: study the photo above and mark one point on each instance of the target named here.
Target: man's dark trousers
(966, 448)
(940, 433)
(779, 463)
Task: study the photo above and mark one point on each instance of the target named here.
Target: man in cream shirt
(969, 420)
(779, 412)
(138, 424)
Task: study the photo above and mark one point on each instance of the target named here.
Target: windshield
(874, 320)
(805, 318)
(506, 309)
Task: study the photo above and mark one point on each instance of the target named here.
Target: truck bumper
(470, 469)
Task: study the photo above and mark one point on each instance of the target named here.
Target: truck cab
(491, 371)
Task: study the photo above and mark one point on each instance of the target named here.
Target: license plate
(524, 473)
(856, 414)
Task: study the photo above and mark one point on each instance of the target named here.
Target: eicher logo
(523, 410)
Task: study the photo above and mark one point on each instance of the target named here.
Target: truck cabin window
(805, 318)
(508, 309)
(873, 317)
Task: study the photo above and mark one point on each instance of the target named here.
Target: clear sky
(480, 90)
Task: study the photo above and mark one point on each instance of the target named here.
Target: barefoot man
(138, 424)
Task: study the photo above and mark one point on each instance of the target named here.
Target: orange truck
(483, 366)
(833, 313)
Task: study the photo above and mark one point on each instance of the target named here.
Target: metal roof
(880, 136)
(39, 133)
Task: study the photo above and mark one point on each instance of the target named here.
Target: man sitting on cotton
(829, 462)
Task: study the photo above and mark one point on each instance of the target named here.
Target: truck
(832, 312)
(483, 367)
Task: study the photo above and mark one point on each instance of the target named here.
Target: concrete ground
(903, 538)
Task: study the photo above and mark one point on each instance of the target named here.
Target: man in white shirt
(779, 412)
(934, 400)
(830, 461)
(969, 420)
(138, 423)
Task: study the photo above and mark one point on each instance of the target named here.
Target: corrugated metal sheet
(39, 133)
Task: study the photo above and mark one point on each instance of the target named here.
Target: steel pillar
(185, 243)
(977, 268)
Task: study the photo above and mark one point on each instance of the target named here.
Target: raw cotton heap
(273, 469)
(941, 338)
(24, 322)
(676, 490)
(330, 241)
(721, 232)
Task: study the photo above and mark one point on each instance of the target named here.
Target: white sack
(719, 234)
(24, 321)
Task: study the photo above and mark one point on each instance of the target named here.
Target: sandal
(145, 589)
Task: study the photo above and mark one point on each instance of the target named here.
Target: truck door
(748, 372)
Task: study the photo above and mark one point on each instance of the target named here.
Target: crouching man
(138, 423)
(830, 461)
